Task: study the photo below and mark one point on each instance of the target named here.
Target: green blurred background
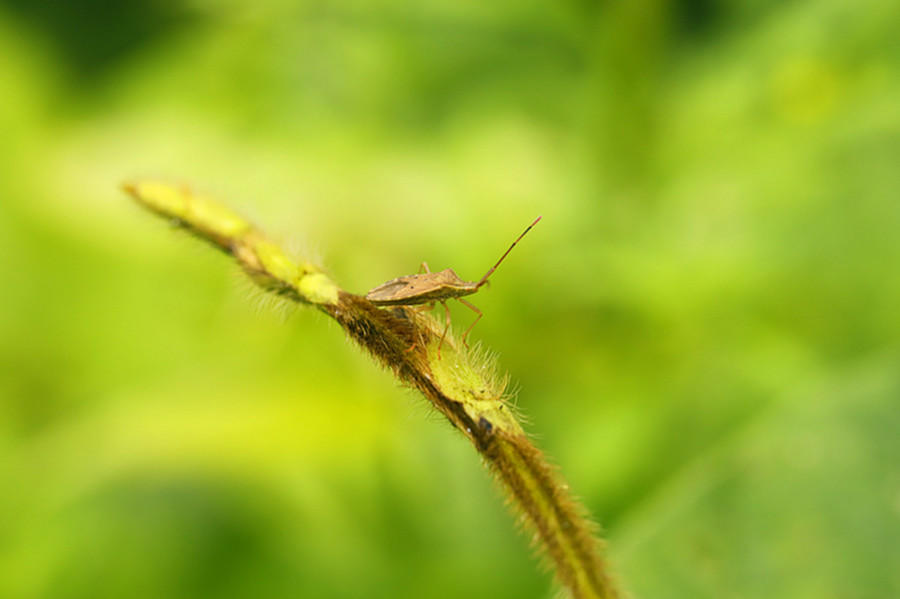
(703, 329)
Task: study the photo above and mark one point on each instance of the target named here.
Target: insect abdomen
(391, 294)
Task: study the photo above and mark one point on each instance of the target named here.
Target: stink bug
(435, 287)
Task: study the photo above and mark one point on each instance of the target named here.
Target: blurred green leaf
(704, 328)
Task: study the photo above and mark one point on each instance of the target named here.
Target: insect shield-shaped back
(427, 288)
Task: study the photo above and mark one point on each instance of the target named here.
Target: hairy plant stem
(407, 341)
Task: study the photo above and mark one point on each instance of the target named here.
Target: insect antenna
(494, 267)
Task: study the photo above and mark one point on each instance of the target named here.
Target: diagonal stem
(409, 344)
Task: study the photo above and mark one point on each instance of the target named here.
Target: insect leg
(446, 326)
(423, 308)
(477, 318)
(424, 267)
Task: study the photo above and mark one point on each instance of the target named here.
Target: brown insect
(435, 287)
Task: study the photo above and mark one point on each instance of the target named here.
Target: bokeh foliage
(704, 328)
